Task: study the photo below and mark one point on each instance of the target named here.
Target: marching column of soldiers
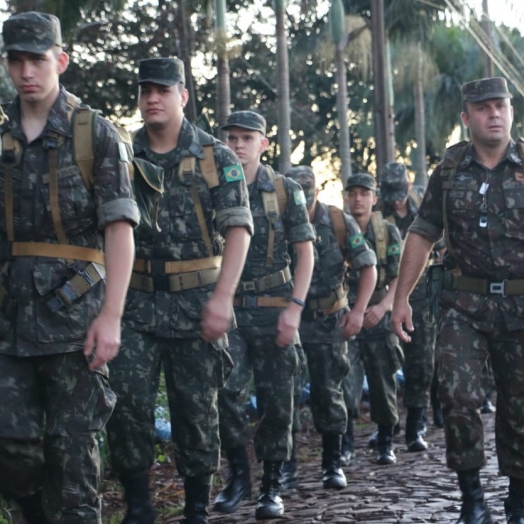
(198, 261)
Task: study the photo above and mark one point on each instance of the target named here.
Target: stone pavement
(418, 488)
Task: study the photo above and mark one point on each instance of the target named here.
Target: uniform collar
(511, 155)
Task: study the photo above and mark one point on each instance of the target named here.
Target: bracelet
(297, 301)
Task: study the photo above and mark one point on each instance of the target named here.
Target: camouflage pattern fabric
(161, 71)
(31, 32)
(419, 353)
(376, 349)
(80, 402)
(246, 120)
(325, 348)
(33, 329)
(273, 367)
(193, 370)
(485, 89)
(55, 380)
(165, 326)
(474, 326)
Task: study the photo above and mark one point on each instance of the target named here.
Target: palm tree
(223, 88)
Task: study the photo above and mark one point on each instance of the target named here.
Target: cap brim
(491, 96)
(348, 187)
(158, 81)
(241, 126)
(395, 196)
(28, 48)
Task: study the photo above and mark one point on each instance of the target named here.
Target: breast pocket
(513, 214)
(463, 196)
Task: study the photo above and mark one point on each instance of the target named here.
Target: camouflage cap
(394, 183)
(246, 120)
(485, 89)
(303, 175)
(161, 71)
(361, 180)
(31, 32)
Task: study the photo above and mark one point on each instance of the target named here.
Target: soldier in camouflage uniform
(376, 346)
(268, 306)
(53, 351)
(475, 197)
(400, 203)
(327, 322)
(179, 306)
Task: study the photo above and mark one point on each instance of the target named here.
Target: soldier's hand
(288, 323)
(103, 340)
(400, 317)
(216, 318)
(374, 314)
(351, 323)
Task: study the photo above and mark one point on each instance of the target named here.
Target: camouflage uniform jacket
(329, 272)
(403, 223)
(393, 252)
(293, 226)
(33, 329)
(495, 252)
(178, 315)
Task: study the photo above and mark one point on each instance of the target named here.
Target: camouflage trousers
(51, 409)
(193, 370)
(379, 358)
(463, 348)
(273, 369)
(419, 359)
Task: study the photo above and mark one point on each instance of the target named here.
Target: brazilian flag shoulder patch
(393, 249)
(300, 198)
(234, 173)
(356, 240)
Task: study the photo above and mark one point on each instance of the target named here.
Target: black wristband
(297, 301)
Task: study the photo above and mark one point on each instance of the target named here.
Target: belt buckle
(250, 301)
(248, 286)
(497, 288)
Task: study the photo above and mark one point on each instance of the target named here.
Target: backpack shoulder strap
(339, 226)
(380, 230)
(208, 166)
(415, 197)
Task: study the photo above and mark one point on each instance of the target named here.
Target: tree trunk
(421, 170)
(223, 86)
(486, 25)
(284, 110)
(342, 109)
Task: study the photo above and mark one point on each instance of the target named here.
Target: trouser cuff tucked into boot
(514, 503)
(270, 505)
(137, 497)
(332, 475)
(474, 509)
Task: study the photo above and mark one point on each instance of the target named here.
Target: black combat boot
(332, 475)
(197, 498)
(474, 509)
(348, 444)
(514, 504)
(32, 508)
(238, 485)
(373, 440)
(414, 440)
(385, 445)
(137, 497)
(270, 504)
(289, 478)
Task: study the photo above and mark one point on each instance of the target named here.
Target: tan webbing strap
(272, 201)
(281, 194)
(391, 219)
(484, 286)
(381, 244)
(180, 266)
(250, 302)
(415, 197)
(339, 226)
(53, 196)
(327, 302)
(178, 282)
(259, 285)
(67, 251)
(208, 167)
(83, 147)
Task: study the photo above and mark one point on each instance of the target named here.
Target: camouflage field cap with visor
(31, 32)
(161, 71)
(246, 120)
(485, 89)
(361, 180)
(394, 185)
(305, 176)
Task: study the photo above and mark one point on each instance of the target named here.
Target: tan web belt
(175, 276)
(328, 302)
(484, 286)
(259, 285)
(252, 301)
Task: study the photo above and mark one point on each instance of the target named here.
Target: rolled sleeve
(234, 217)
(425, 229)
(117, 210)
(301, 233)
(365, 259)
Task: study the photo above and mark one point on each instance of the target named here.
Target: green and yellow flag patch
(393, 249)
(234, 173)
(356, 240)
